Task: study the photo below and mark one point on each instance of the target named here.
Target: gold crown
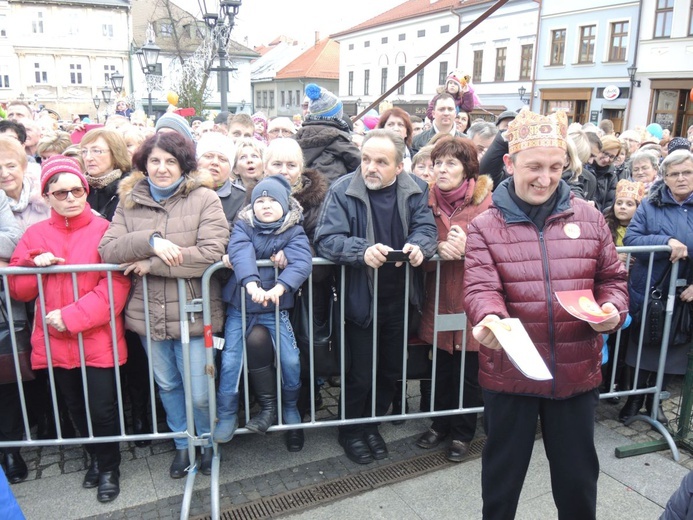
(530, 130)
(629, 189)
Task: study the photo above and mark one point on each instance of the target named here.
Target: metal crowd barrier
(442, 322)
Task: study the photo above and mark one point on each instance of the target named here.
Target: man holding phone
(369, 218)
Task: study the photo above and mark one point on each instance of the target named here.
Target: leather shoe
(356, 449)
(376, 444)
(430, 439)
(140, 425)
(91, 477)
(109, 486)
(294, 440)
(457, 451)
(15, 467)
(180, 464)
(206, 461)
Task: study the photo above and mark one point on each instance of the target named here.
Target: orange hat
(630, 190)
(530, 130)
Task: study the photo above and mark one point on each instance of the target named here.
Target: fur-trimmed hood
(294, 217)
(314, 190)
(136, 184)
(483, 186)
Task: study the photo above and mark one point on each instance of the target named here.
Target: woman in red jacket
(459, 195)
(71, 236)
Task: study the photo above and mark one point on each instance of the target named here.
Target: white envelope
(513, 337)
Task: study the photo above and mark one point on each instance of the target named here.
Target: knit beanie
(655, 130)
(323, 104)
(61, 164)
(216, 142)
(458, 77)
(679, 143)
(176, 123)
(275, 186)
(259, 116)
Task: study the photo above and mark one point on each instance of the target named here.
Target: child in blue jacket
(271, 224)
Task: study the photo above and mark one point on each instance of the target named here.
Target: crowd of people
(516, 209)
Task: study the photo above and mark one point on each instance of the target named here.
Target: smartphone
(397, 256)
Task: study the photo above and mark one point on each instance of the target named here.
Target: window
(557, 47)
(107, 30)
(663, 17)
(383, 40)
(283, 98)
(107, 71)
(271, 99)
(477, 65)
(366, 82)
(37, 24)
(421, 33)
(351, 46)
(291, 97)
(75, 73)
(501, 53)
(165, 29)
(383, 80)
(350, 87)
(264, 98)
(4, 77)
(367, 43)
(587, 36)
(298, 97)
(402, 37)
(258, 103)
(3, 26)
(618, 41)
(444, 29)
(41, 76)
(526, 61)
(442, 72)
(419, 81)
(400, 75)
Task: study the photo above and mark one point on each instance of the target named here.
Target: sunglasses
(62, 194)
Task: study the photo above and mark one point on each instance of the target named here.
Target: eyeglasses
(608, 156)
(687, 174)
(277, 131)
(77, 193)
(95, 152)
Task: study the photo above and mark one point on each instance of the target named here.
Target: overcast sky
(263, 20)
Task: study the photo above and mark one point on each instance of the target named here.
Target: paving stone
(71, 466)
(50, 471)
(50, 459)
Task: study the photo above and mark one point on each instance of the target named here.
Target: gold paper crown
(530, 130)
(632, 190)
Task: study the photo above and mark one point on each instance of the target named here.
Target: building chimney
(317, 37)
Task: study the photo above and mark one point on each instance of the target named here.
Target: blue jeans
(232, 358)
(167, 364)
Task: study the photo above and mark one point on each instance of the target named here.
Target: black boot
(263, 381)
(15, 467)
(649, 400)
(631, 408)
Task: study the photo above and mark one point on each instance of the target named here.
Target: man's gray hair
(673, 159)
(396, 139)
(483, 129)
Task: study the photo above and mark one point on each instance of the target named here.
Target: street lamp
(117, 82)
(631, 74)
(97, 103)
(522, 91)
(106, 92)
(148, 56)
(221, 19)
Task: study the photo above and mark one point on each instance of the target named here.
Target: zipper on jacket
(547, 284)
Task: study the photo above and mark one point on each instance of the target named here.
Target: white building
(664, 61)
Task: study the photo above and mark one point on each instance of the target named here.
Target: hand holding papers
(583, 306)
(513, 338)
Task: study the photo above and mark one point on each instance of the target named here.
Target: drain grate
(320, 494)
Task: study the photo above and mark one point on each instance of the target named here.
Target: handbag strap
(659, 286)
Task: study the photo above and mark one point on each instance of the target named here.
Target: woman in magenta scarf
(459, 195)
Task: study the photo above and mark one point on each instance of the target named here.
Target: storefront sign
(594, 116)
(611, 92)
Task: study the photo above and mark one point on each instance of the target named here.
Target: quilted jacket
(513, 270)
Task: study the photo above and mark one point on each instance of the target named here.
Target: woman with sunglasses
(71, 236)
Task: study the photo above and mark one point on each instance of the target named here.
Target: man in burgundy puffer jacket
(534, 240)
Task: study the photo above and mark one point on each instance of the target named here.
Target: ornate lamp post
(97, 103)
(148, 57)
(220, 18)
(522, 91)
(117, 82)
